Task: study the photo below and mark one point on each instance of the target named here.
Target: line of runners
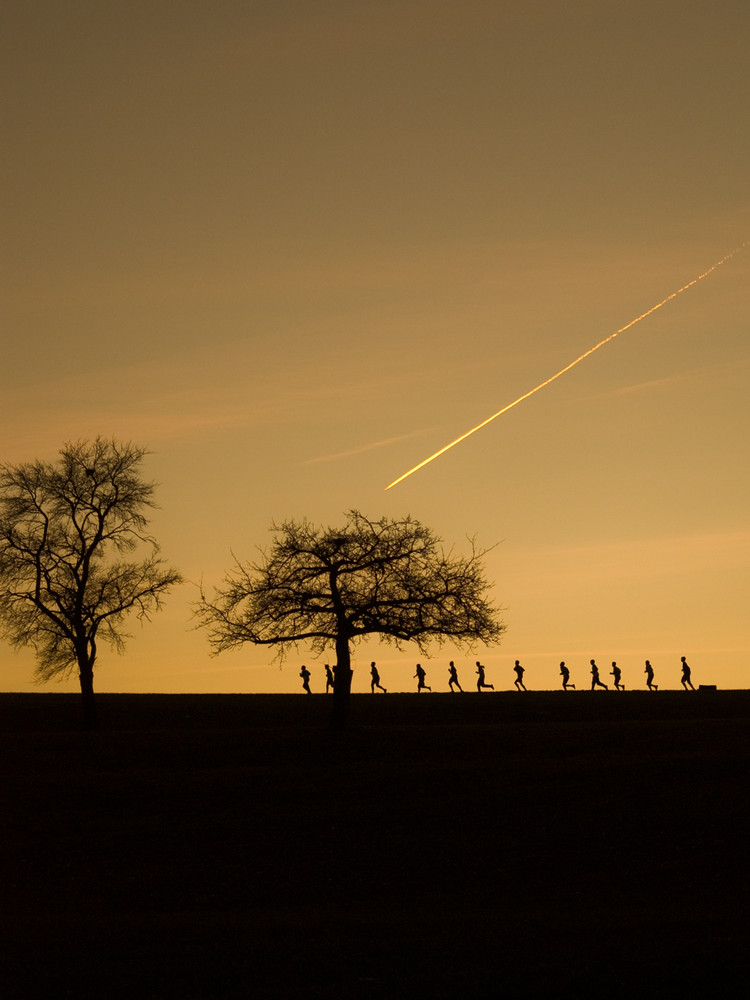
(454, 684)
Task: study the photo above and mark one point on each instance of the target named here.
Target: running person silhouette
(565, 674)
(420, 675)
(453, 677)
(375, 682)
(617, 674)
(595, 681)
(329, 678)
(649, 672)
(481, 683)
(305, 675)
(519, 677)
(685, 680)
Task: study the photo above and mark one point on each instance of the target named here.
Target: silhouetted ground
(590, 844)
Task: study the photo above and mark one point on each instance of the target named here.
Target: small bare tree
(329, 587)
(64, 530)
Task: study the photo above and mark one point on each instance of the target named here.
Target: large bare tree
(65, 531)
(326, 587)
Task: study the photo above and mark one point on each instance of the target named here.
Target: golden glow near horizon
(577, 361)
(278, 244)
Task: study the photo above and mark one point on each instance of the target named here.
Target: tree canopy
(326, 587)
(65, 530)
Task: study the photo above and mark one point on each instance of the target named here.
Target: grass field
(592, 844)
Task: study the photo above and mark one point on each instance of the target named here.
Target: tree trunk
(342, 684)
(86, 678)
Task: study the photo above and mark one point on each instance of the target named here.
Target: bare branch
(322, 586)
(64, 528)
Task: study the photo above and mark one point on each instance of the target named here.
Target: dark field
(589, 844)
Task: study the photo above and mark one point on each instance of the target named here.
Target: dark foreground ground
(464, 846)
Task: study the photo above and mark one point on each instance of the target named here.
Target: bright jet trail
(567, 368)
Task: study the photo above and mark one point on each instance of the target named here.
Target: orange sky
(294, 248)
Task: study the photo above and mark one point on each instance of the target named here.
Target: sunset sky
(296, 246)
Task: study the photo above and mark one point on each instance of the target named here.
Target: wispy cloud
(363, 448)
(639, 559)
(679, 379)
(669, 382)
(179, 398)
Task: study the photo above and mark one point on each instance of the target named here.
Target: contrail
(567, 368)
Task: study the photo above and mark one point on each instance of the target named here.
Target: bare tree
(330, 588)
(65, 529)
